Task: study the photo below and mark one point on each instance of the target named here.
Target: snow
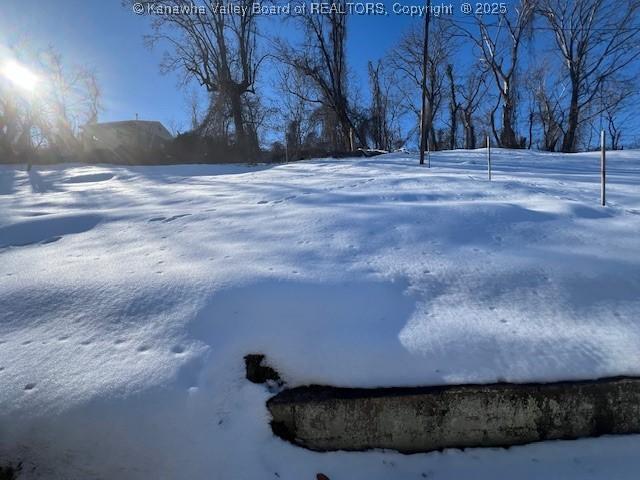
(129, 295)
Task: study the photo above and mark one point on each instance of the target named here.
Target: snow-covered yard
(129, 296)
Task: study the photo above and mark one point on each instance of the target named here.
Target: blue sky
(107, 37)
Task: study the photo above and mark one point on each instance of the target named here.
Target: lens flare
(20, 75)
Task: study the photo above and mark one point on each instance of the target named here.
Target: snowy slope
(128, 297)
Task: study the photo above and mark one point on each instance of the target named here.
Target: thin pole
(428, 153)
(425, 61)
(489, 157)
(603, 170)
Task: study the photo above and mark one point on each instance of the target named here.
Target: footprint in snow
(168, 219)
(143, 348)
(175, 217)
(30, 386)
(177, 349)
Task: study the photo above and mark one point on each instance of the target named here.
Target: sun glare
(19, 75)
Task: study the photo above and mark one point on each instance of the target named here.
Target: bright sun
(19, 75)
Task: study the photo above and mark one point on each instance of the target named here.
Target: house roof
(149, 126)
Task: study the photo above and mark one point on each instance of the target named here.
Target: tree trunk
(246, 141)
(569, 141)
(469, 131)
(453, 109)
(453, 130)
(238, 122)
(508, 135)
(348, 127)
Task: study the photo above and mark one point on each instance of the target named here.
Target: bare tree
(9, 124)
(454, 108)
(406, 59)
(68, 97)
(70, 100)
(547, 106)
(294, 112)
(219, 50)
(498, 39)
(194, 109)
(597, 40)
(385, 110)
(615, 132)
(216, 122)
(8, 120)
(616, 103)
(378, 115)
(471, 92)
(321, 59)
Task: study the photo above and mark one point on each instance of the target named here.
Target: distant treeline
(187, 148)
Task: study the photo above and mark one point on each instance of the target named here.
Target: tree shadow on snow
(40, 184)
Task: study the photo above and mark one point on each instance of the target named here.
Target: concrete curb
(422, 419)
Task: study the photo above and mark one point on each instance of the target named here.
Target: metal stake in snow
(489, 157)
(603, 170)
(425, 115)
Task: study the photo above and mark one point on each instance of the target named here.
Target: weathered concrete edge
(421, 419)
